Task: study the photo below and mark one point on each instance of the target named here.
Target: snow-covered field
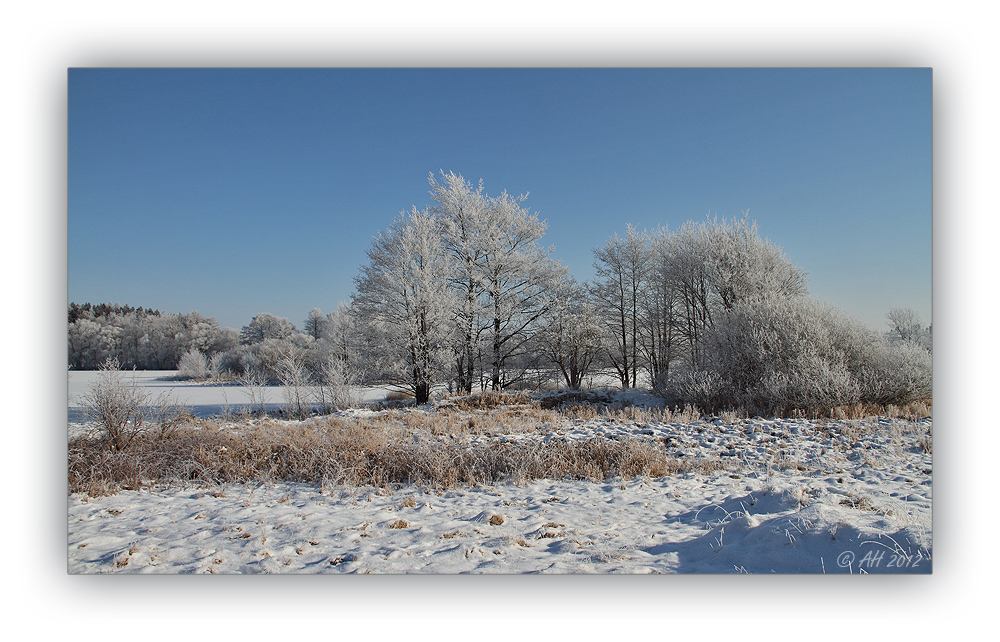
(796, 496)
(200, 399)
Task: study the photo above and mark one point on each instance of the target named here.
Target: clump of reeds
(354, 452)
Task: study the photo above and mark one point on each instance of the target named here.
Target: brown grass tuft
(386, 450)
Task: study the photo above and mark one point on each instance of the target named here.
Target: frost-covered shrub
(229, 363)
(263, 359)
(899, 374)
(796, 353)
(215, 369)
(193, 365)
(336, 379)
(295, 381)
(116, 405)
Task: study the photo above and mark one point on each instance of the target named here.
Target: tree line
(463, 294)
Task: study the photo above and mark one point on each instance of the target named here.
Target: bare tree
(904, 324)
(621, 267)
(572, 338)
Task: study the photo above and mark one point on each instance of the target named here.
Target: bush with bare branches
(116, 405)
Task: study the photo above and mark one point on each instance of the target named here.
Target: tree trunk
(421, 393)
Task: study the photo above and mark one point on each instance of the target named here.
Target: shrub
(295, 383)
(116, 405)
(193, 365)
(336, 380)
(216, 366)
(779, 355)
(256, 384)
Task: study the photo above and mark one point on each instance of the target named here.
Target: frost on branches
(403, 296)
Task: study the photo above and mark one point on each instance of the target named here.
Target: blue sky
(239, 191)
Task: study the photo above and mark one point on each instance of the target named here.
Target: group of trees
(714, 315)
(709, 313)
(659, 294)
(457, 293)
(267, 350)
(464, 294)
(142, 339)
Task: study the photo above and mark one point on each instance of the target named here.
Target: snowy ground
(797, 496)
(200, 399)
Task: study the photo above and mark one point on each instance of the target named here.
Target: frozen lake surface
(201, 399)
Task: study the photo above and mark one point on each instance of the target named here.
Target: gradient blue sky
(239, 191)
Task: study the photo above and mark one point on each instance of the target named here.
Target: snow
(201, 399)
(797, 496)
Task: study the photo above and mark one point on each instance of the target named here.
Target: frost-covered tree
(621, 267)
(659, 330)
(744, 267)
(905, 327)
(687, 271)
(133, 345)
(315, 325)
(88, 347)
(198, 332)
(704, 268)
(139, 338)
(403, 295)
(225, 339)
(520, 282)
(572, 336)
(465, 219)
(266, 326)
(341, 340)
(503, 281)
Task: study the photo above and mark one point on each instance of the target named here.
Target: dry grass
(456, 421)
(584, 406)
(630, 414)
(926, 444)
(393, 448)
(857, 502)
(489, 399)
(911, 411)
